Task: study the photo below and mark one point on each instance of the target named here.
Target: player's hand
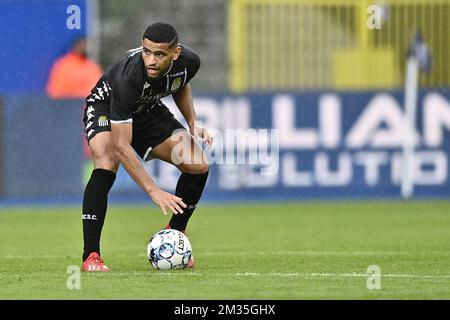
(167, 200)
(201, 134)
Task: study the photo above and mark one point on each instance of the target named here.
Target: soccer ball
(169, 249)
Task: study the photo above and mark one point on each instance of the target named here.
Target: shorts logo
(103, 121)
(176, 84)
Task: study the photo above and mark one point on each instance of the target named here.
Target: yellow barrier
(331, 44)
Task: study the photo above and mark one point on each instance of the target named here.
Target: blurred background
(331, 77)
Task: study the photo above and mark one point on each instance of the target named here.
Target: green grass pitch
(252, 251)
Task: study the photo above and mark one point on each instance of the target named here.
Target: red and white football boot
(94, 264)
(191, 262)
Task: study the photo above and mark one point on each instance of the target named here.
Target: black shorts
(150, 127)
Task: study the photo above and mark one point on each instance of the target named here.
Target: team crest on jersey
(176, 84)
(103, 121)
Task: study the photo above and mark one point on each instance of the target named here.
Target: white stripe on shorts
(122, 121)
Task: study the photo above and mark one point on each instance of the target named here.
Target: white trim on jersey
(171, 65)
(132, 52)
(122, 121)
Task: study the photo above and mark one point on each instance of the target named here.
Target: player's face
(158, 57)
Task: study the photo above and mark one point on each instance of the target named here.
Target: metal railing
(328, 44)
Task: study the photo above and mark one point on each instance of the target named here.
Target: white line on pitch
(274, 274)
(180, 273)
(310, 253)
(337, 275)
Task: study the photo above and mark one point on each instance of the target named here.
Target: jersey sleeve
(123, 97)
(192, 66)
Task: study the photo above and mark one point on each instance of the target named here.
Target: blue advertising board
(42, 143)
(34, 34)
(280, 146)
(316, 145)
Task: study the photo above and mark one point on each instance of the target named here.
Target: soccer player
(124, 116)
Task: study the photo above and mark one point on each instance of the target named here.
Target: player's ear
(176, 53)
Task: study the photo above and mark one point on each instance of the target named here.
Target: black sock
(95, 202)
(189, 188)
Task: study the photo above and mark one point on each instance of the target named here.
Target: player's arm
(122, 136)
(183, 100)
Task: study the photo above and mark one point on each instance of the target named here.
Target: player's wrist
(151, 190)
(191, 123)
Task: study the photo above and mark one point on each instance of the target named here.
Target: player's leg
(186, 154)
(95, 197)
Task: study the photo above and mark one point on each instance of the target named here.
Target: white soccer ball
(169, 249)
